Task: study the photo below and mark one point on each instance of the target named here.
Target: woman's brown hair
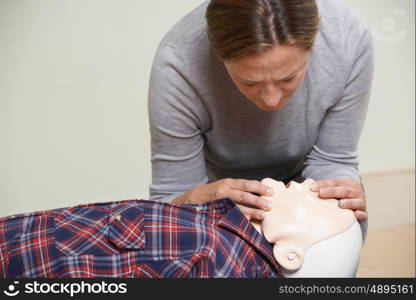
(237, 28)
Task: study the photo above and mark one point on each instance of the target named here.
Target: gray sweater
(203, 129)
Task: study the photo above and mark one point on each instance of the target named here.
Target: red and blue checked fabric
(135, 238)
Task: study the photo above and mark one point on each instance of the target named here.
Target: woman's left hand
(349, 192)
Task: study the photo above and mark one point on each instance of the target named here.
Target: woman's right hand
(245, 193)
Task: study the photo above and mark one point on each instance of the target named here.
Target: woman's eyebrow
(293, 74)
(290, 76)
(243, 79)
(284, 78)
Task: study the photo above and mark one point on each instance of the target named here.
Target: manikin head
(312, 237)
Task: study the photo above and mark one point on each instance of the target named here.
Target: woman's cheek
(250, 92)
(291, 86)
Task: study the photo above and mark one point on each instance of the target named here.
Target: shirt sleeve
(334, 155)
(176, 117)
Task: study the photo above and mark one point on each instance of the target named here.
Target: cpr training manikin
(312, 237)
(304, 236)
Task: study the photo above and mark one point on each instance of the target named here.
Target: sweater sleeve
(176, 117)
(334, 154)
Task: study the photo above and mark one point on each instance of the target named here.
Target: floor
(389, 253)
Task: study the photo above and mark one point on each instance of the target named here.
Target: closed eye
(249, 83)
(288, 80)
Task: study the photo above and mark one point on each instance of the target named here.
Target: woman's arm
(177, 120)
(334, 154)
(333, 160)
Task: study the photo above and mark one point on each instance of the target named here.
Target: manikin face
(299, 219)
(269, 79)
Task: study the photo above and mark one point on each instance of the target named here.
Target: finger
(251, 213)
(335, 182)
(249, 199)
(347, 192)
(361, 215)
(252, 186)
(323, 183)
(354, 204)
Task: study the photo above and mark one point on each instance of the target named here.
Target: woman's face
(269, 79)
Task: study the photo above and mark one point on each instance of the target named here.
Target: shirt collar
(235, 221)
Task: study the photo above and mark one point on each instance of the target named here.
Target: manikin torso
(312, 237)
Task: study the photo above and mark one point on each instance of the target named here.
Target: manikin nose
(271, 96)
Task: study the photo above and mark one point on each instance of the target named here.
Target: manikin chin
(312, 237)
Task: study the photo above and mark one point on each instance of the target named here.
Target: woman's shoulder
(337, 9)
(188, 30)
(343, 36)
(186, 44)
(341, 26)
(338, 12)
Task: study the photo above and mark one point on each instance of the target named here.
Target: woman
(242, 90)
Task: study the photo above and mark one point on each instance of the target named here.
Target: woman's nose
(271, 95)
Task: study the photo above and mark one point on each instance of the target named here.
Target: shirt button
(117, 218)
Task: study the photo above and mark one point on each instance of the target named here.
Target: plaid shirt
(135, 238)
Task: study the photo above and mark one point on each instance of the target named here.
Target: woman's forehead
(278, 63)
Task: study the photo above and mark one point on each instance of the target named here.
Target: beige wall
(388, 140)
(73, 86)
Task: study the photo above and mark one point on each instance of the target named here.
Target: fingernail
(268, 205)
(343, 203)
(314, 187)
(270, 192)
(260, 215)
